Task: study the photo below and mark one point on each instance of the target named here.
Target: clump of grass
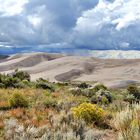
(4, 105)
(127, 122)
(18, 100)
(50, 102)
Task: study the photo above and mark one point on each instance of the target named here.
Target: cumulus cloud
(115, 54)
(110, 25)
(67, 25)
(11, 7)
(33, 22)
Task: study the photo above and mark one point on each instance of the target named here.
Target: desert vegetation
(66, 111)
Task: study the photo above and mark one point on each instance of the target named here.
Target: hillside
(39, 109)
(3, 57)
(58, 67)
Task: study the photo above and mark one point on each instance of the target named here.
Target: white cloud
(37, 22)
(34, 20)
(116, 54)
(11, 7)
(81, 25)
(109, 25)
(1, 45)
(120, 13)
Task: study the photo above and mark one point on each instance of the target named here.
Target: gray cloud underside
(69, 24)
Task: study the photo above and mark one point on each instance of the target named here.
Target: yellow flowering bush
(89, 113)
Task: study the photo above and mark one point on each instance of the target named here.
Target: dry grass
(127, 123)
(38, 121)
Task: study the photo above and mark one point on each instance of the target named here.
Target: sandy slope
(57, 67)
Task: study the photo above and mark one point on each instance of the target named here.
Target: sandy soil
(57, 67)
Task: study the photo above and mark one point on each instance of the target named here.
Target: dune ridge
(58, 67)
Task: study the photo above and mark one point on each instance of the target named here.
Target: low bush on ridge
(133, 90)
(99, 87)
(21, 75)
(83, 85)
(21, 79)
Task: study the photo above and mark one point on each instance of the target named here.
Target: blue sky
(69, 25)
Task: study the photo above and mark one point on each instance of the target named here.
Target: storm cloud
(69, 25)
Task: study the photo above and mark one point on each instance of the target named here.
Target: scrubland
(42, 110)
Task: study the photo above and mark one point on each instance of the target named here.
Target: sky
(71, 26)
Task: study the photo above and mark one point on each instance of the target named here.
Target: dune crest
(58, 67)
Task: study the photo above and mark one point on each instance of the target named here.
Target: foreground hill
(58, 67)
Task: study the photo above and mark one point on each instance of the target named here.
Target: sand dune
(57, 67)
(26, 60)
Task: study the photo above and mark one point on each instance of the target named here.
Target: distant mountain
(3, 56)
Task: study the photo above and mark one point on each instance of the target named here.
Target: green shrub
(42, 80)
(89, 113)
(15, 80)
(25, 82)
(2, 85)
(93, 91)
(50, 102)
(2, 77)
(83, 92)
(77, 91)
(132, 89)
(47, 93)
(83, 85)
(21, 75)
(104, 93)
(99, 100)
(99, 86)
(10, 81)
(19, 85)
(44, 85)
(104, 100)
(102, 97)
(129, 98)
(94, 99)
(59, 84)
(18, 100)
